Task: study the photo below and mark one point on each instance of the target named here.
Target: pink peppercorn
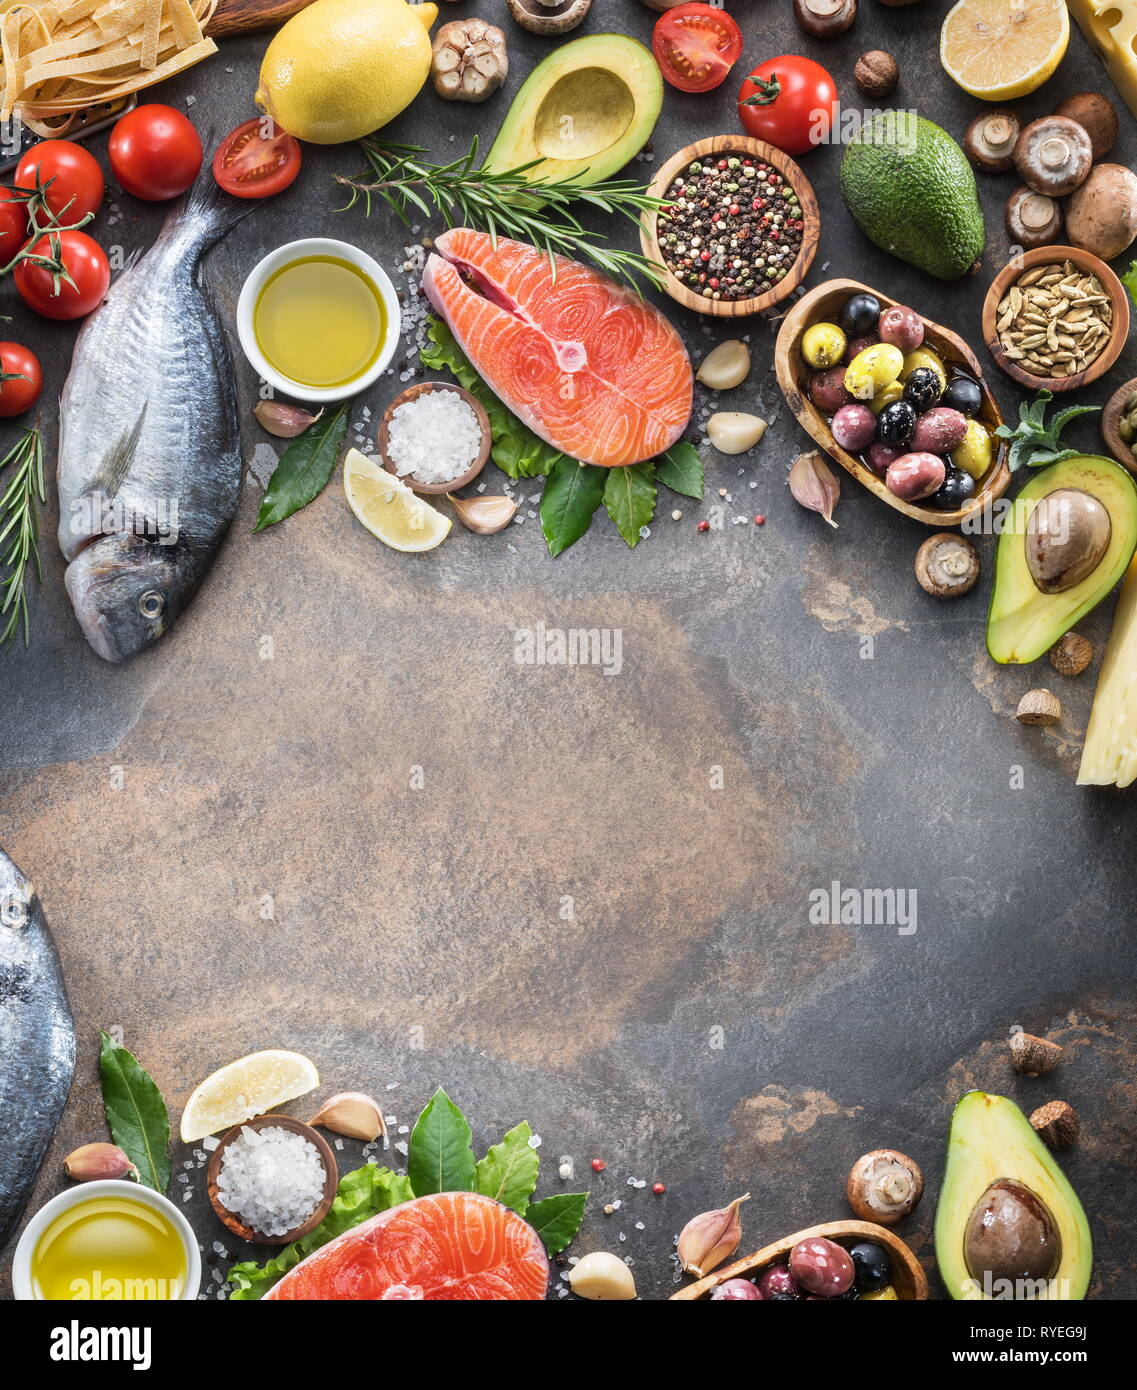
(598, 1165)
(658, 1188)
(703, 526)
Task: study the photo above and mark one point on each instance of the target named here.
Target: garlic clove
(732, 432)
(602, 1277)
(98, 1163)
(725, 367)
(814, 485)
(709, 1238)
(283, 421)
(353, 1114)
(485, 516)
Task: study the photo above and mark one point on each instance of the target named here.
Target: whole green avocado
(911, 190)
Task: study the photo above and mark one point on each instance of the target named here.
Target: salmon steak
(595, 371)
(453, 1245)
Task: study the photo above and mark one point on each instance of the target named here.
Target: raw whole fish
(149, 444)
(598, 373)
(37, 1042)
(453, 1245)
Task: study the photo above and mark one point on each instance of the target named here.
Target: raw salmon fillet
(454, 1245)
(598, 373)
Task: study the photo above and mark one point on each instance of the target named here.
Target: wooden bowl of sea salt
(430, 434)
(282, 1178)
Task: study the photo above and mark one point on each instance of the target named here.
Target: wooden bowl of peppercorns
(740, 229)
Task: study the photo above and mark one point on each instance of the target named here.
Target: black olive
(859, 315)
(955, 489)
(874, 1269)
(895, 423)
(780, 1298)
(922, 388)
(962, 394)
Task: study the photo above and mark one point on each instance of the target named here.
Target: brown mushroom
(1097, 116)
(947, 565)
(469, 61)
(663, 5)
(990, 140)
(1102, 216)
(559, 17)
(1053, 156)
(824, 19)
(1032, 219)
(884, 1186)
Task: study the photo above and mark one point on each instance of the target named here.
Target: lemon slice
(389, 509)
(1000, 50)
(246, 1088)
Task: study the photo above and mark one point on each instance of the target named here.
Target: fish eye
(151, 604)
(14, 911)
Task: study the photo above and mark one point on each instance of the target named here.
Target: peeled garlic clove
(709, 1238)
(353, 1114)
(485, 516)
(284, 421)
(98, 1163)
(732, 432)
(602, 1277)
(726, 366)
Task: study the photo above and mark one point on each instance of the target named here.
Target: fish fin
(219, 210)
(109, 475)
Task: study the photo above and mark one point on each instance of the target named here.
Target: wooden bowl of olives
(838, 1260)
(899, 401)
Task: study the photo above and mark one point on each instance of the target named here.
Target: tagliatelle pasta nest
(63, 56)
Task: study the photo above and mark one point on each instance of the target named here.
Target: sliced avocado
(911, 190)
(1038, 593)
(1008, 1224)
(585, 111)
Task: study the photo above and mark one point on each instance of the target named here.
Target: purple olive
(822, 1267)
(939, 431)
(740, 1289)
(881, 456)
(854, 427)
(827, 390)
(913, 476)
(777, 1279)
(902, 327)
(858, 345)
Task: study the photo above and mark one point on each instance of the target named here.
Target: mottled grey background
(398, 910)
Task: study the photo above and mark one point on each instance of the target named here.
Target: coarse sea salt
(436, 437)
(272, 1179)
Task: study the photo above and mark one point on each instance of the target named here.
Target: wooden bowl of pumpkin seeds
(1119, 425)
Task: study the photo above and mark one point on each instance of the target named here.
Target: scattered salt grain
(210, 1144)
(272, 1179)
(436, 437)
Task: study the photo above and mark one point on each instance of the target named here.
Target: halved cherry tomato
(48, 292)
(256, 160)
(13, 224)
(696, 46)
(21, 379)
(155, 153)
(789, 102)
(76, 181)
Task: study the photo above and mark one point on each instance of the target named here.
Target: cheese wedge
(1110, 27)
(1109, 757)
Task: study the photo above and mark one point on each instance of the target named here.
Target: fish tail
(208, 209)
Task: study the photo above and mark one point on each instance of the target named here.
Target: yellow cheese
(1110, 27)
(1110, 755)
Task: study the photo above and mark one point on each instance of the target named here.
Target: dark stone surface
(689, 1024)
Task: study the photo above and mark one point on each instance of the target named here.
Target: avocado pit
(1012, 1235)
(1067, 537)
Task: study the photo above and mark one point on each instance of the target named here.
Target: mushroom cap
(1053, 156)
(1102, 215)
(947, 565)
(989, 142)
(1097, 116)
(884, 1185)
(558, 18)
(1033, 219)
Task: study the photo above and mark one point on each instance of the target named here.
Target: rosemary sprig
(19, 530)
(506, 203)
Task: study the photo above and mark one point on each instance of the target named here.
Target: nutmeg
(1071, 654)
(1056, 1124)
(1039, 707)
(1031, 1056)
(876, 73)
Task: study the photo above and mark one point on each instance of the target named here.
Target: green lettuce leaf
(440, 1158)
(136, 1114)
(508, 1173)
(557, 1219)
(361, 1195)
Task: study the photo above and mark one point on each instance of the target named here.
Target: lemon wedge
(389, 509)
(244, 1089)
(1000, 50)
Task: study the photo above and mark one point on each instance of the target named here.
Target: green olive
(894, 391)
(1125, 429)
(924, 357)
(872, 370)
(977, 451)
(822, 345)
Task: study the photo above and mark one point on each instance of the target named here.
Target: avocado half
(991, 1141)
(585, 111)
(1023, 621)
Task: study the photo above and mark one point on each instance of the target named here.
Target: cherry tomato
(696, 46)
(256, 160)
(77, 184)
(789, 102)
(155, 153)
(21, 379)
(86, 264)
(13, 224)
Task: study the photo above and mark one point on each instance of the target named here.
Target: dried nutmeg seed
(1071, 654)
(876, 73)
(1056, 1124)
(710, 1238)
(284, 421)
(1039, 707)
(353, 1114)
(98, 1163)
(1031, 1056)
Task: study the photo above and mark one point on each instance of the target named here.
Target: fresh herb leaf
(19, 527)
(1034, 441)
(508, 1173)
(572, 493)
(440, 1158)
(516, 449)
(629, 499)
(360, 1196)
(136, 1113)
(681, 470)
(304, 468)
(557, 1219)
(1129, 280)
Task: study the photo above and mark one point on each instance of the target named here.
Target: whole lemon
(342, 68)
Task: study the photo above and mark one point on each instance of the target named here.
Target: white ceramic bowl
(295, 251)
(22, 1286)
